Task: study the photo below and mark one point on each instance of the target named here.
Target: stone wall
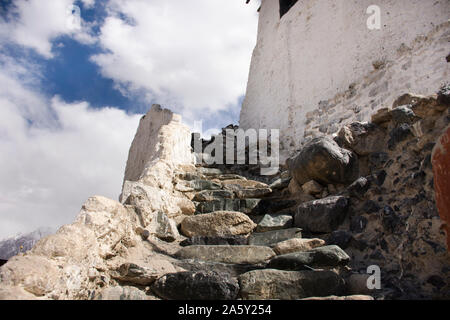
(319, 67)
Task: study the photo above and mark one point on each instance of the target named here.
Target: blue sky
(72, 91)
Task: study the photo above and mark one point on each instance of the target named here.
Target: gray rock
(233, 270)
(121, 293)
(280, 183)
(323, 215)
(362, 137)
(200, 285)
(358, 224)
(327, 256)
(205, 240)
(210, 195)
(271, 222)
(403, 114)
(272, 237)
(163, 227)
(130, 272)
(210, 172)
(227, 254)
(399, 134)
(199, 185)
(289, 285)
(324, 161)
(252, 193)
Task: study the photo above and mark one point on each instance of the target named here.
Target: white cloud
(88, 3)
(54, 155)
(193, 54)
(35, 23)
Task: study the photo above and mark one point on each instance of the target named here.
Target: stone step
(218, 223)
(289, 285)
(326, 256)
(233, 270)
(227, 254)
(215, 241)
(212, 195)
(201, 285)
(247, 206)
(273, 237)
(297, 245)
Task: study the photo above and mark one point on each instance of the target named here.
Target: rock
(196, 286)
(253, 193)
(362, 138)
(210, 195)
(227, 254)
(381, 116)
(220, 223)
(443, 96)
(327, 256)
(312, 187)
(210, 172)
(403, 114)
(163, 227)
(297, 244)
(16, 293)
(341, 238)
(186, 206)
(288, 285)
(270, 205)
(238, 184)
(359, 187)
(280, 183)
(371, 206)
(399, 134)
(323, 215)
(357, 283)
(358, 224)
(336, 298)
(293, 187)
(231, 177)
(233, 270)
(202, 240)
(272, 222)
(324, 161)
(130, 272)
(35, 274)
(199, 185)
(121, 293)
(272, 237)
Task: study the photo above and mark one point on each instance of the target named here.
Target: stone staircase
(243, 243)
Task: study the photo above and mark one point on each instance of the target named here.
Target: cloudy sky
(72, 91)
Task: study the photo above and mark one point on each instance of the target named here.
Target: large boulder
(200, 285)
(324, 161)
(227, 254)
(327, 256)
(219, 223)
(323, 215)
(288, 285)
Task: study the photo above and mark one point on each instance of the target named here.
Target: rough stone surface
(196, 286)
(324, 161)
(297, 244)
(271, 222)
(327, 256)
(122, 293)
(272, 237)
(220, 223)
(130, 272)
(312, 187)
(323, 215)
(227, 254)
(208, 240)
(288, 285)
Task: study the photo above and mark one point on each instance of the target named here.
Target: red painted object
(441, 170)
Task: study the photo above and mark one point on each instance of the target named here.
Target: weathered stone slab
(209, 240)
(199, 185)
(121, 293)
(210, 195)
(323, 215)
(253, 193)
(227, 254)
(271, 222)
(288, 285)
(327, 256)
(220, 223)
(130, 272)
(297, 244)
(233, 270)
(272, 237)
(196, 286)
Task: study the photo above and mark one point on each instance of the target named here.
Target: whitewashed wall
(313, 70)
